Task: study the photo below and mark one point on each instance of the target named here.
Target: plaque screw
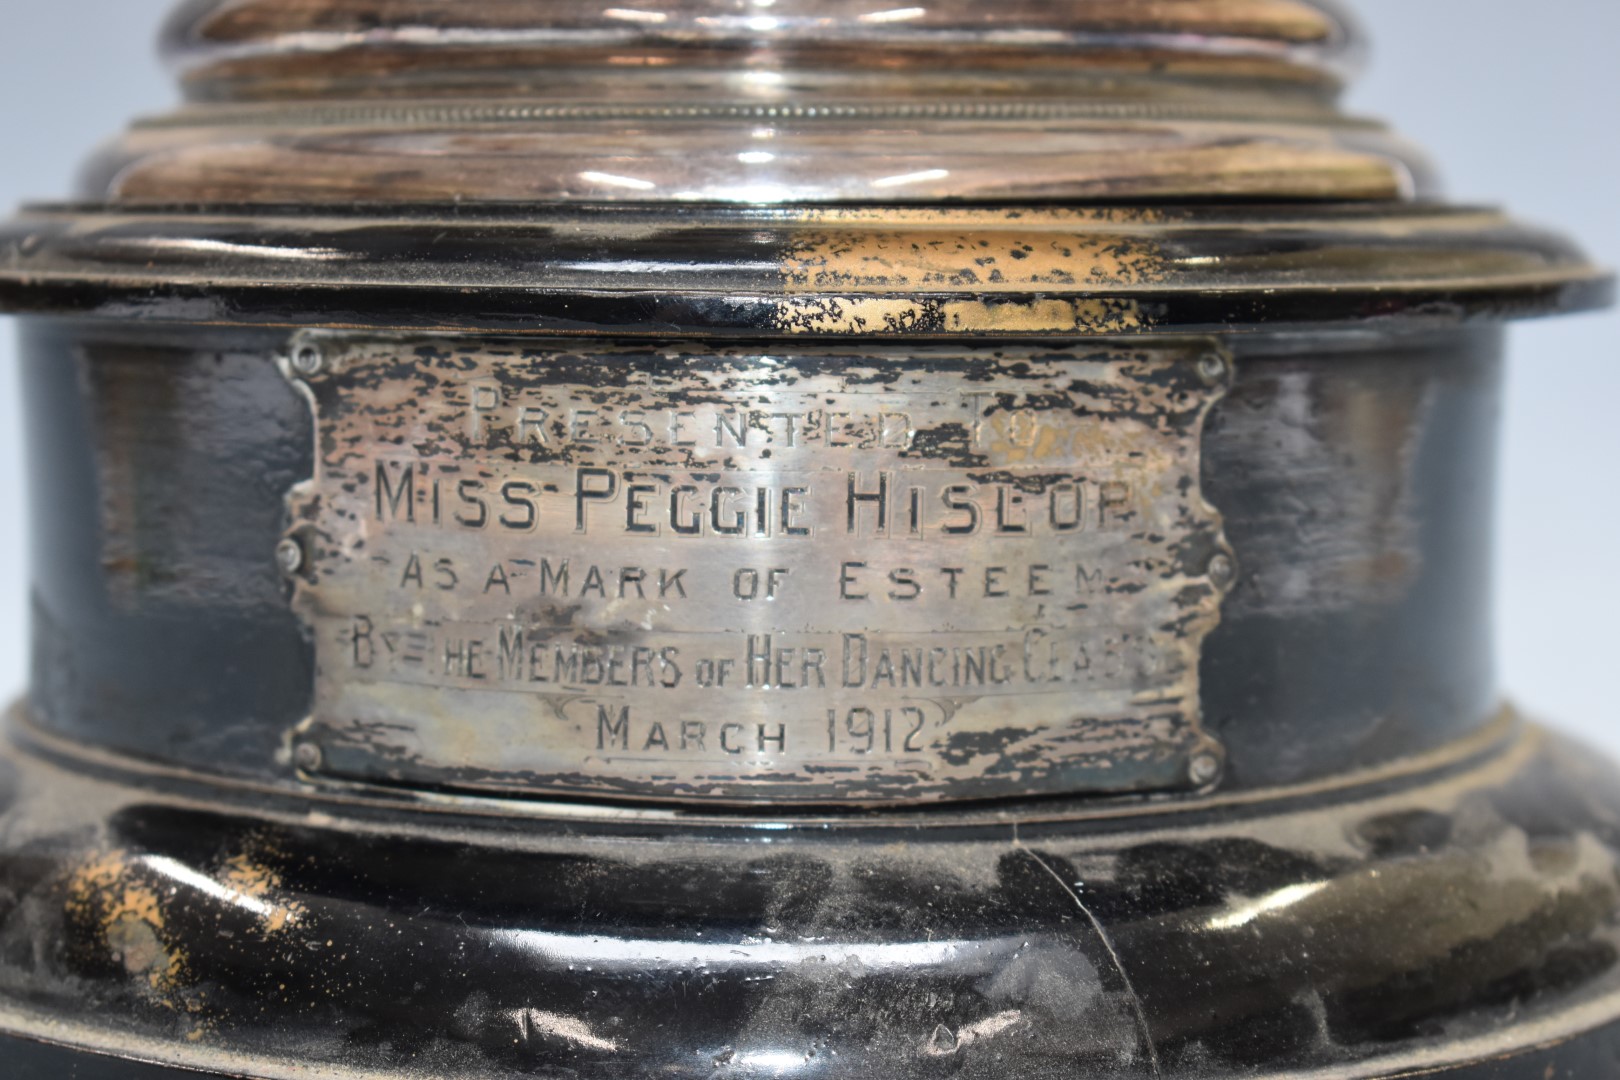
(307, 756)
(307, 361)
(1211, 368)
(290, 556)
(1204, 769)
(1222, 570)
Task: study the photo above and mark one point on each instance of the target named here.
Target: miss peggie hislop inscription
(806, 577)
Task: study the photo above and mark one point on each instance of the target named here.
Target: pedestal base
(1454, 918)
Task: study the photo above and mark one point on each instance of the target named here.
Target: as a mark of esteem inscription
(810, 577)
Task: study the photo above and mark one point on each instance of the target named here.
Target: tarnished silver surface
(626, 633)
(802, 576)
(790, 102)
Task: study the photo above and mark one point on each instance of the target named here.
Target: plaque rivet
(307, 361)
(307, 756)
(290, 556)
(1222, 570)
(1204, 769)
(1212, 368)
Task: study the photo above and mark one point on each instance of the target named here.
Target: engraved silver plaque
(807, 576)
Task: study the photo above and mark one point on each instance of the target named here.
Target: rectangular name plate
(808, 577)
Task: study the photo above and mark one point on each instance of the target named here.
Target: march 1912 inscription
(813, 576)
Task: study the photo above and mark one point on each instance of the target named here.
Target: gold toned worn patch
(990, 261)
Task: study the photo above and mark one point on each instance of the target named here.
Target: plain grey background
(1516, 110)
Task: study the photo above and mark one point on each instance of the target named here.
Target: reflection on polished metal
(780, 539)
